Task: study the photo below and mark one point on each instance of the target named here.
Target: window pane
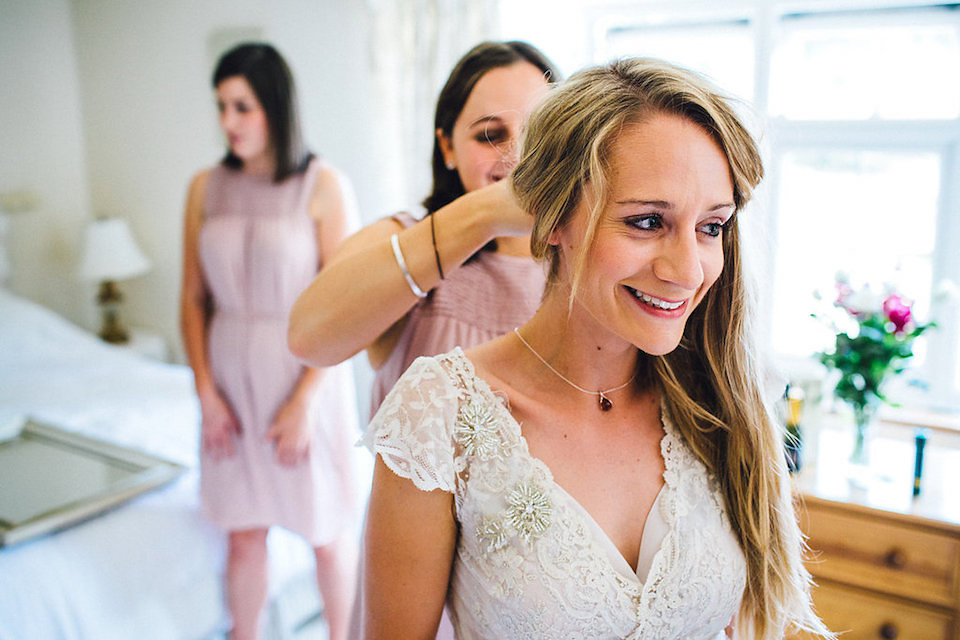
(722, 51)
(871, 215)
(832, 70)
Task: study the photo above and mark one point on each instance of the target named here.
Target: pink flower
(843, 290)
(897, 311)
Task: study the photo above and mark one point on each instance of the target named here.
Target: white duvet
(149, 569)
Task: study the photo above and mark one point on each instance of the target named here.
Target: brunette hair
(710, 382)
(269, 76)
(482, 58)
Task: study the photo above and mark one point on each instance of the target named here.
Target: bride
(608, 469)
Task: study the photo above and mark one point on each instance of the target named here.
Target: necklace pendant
(604, 402)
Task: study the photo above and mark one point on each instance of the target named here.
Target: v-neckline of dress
(501, 404)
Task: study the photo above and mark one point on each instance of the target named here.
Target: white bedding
(149, 569)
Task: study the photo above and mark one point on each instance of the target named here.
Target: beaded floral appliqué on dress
(492, 533)
(528, 511)
(476, 431)
(530, 561)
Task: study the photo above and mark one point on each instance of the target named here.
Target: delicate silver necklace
(602, 400)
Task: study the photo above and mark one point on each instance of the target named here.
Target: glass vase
(861, 450)
(859, 473)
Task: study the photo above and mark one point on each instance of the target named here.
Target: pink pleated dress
(258, 251)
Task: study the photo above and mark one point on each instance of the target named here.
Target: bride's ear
(554, 238)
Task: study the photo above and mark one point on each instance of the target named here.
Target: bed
(150, 568)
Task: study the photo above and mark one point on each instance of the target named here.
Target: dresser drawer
(858, 615)
(882, 554)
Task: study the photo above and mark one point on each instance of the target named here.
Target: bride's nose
(679, 261)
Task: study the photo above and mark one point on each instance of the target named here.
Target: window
(870, 214)
(880, 64)
(723, 51)
(861, 127)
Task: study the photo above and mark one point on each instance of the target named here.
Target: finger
(273, 433)
(294, 455)
(221, 447)
(212, 449)
(227, 447)
(209, 445)
(284, 457)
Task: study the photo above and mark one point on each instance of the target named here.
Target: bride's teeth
(657, 302)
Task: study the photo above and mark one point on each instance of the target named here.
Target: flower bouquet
(874, 342)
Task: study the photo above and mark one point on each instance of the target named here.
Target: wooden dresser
(886, 564)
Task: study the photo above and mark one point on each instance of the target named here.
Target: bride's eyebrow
(663, 204)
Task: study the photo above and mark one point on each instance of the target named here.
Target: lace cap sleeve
(412, 430)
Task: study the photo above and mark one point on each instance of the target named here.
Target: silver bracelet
(403, 267)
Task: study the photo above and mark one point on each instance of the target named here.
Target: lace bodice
(530, 561)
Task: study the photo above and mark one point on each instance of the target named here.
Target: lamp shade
(110, 252)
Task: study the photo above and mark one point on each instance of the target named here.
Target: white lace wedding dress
(530, 561)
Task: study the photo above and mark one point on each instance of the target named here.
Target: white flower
(529, 510)
(863, 301)
(476, 430)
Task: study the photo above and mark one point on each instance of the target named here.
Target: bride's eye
(712, 229)
(650, 222)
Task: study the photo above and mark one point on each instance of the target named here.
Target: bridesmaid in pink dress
(276, 434)
(460, 275)
(402, 287)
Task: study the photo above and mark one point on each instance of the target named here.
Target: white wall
(150, 121)
(107, 110)
(42, 156)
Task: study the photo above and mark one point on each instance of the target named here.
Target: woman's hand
(219, 427)
(339, 314)
(290, 433)
(499, 205)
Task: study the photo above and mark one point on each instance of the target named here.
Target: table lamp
(109, 254)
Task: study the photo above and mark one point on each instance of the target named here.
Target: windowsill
(936, 420)
(826, 473)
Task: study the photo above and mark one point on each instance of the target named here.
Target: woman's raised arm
(361, 292)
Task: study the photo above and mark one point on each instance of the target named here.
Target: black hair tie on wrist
(436, 254)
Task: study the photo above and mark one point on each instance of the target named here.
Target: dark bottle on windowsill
(920, 437)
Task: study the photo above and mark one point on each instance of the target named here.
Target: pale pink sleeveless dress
(258, 251)
(483, 299)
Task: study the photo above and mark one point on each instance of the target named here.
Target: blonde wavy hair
(711, 382)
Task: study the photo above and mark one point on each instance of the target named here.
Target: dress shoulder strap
(405, 218)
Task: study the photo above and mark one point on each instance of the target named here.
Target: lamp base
(109, 298)
(114, 334)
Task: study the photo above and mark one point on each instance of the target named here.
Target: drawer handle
(889, 631)
(896, 559)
